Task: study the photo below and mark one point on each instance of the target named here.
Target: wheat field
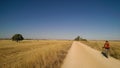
(33, 53)
(114, 47)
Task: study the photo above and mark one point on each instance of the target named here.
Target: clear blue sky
(60, 19)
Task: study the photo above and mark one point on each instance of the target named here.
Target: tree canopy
(17, 37)
(78, 38)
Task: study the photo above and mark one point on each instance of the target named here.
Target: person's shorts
(107, 48)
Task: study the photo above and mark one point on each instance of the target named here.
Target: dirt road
(82, 56)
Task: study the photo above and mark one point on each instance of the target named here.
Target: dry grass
(114, 50)
(33, 53)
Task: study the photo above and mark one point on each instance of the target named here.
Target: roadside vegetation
(114, 47)
(33, 53)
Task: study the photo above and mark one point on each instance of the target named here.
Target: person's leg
(107, 52)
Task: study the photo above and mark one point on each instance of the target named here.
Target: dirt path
(82, 56)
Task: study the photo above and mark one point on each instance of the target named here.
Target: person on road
(106, 47)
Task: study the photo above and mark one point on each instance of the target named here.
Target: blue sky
(60, 19)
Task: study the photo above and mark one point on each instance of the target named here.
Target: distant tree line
(19, 37)
(78, 38)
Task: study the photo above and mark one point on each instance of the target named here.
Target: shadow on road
(104, 54)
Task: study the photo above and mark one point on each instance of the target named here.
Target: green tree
(17, 37)
(77, 38)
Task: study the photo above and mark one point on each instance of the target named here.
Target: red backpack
(106, 45)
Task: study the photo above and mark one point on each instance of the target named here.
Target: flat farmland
(114, 47)
(33, 53)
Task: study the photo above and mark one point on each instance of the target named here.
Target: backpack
(106, 46)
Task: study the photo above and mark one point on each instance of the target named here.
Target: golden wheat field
(114, 47)
(33, 53)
